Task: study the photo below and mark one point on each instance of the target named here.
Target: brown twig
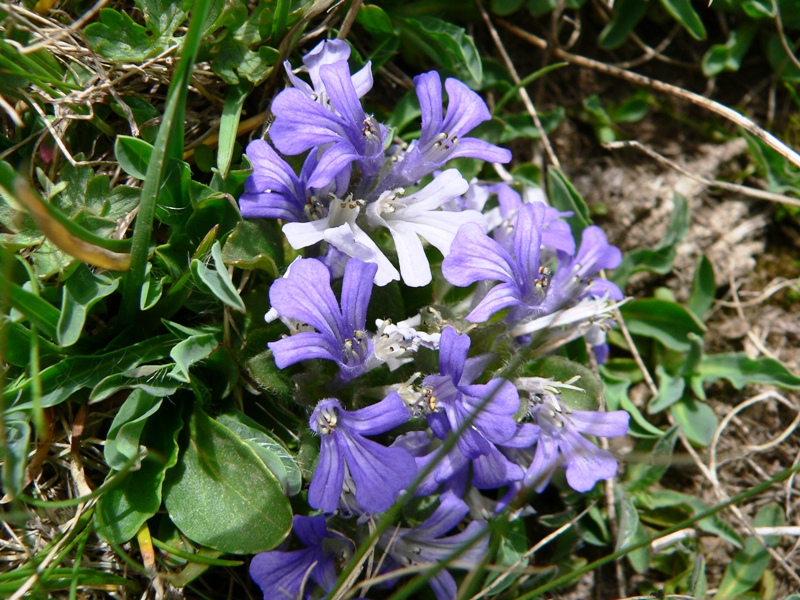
(523, 93)
(731, 187)
(666, 88)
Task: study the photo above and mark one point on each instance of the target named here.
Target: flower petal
(326, 484)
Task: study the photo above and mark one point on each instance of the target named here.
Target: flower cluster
(360, 210)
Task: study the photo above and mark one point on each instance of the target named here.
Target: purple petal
(429, 92)
(453, 349)
(310, 530)
(545, 461)
(306, 295)
(356, 292)
(326, 484)
(378, 418)
(465, 108)
(496, 419)
(325, 53)
(450, 512)
(528, 240)
(443, 585)
(281, 574)
(494, 470)
(333, 162)
(379, 473)
(271, 206)
(526, 436)
(304, 346)
(596, 253)
(474, 256)
(482, 150)
(301, 124)
(342, 94)
(601, 424)
(601, 287)
(496, 299)
(586, 463)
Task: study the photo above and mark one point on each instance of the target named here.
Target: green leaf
(37, 310)
(683, 13)
(152, 379)
(74, 373)
(375, 20)
(191, 351)
(122, 440)
(269, 449)
(749, 564)
(133, 155)
(740, 370)
(511, 551)
(269, 377)
(697, 419)
(659, 259)
(616, 392)
(704, 288)
(220, 494)
(167, 152)
(647, 473)
(255, 244)
(121, 512)
(627, 14)
(14, 453)
(781, 62)
(229, 126)
(665, 321)
(562, 369)
(218, 281)
(447, 44)
(118, 37)
(81, 292)
(670, 390)
(630, 533)
(759, 9)
(728, 56)
(565, 197)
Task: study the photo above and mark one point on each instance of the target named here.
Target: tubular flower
(378, 473)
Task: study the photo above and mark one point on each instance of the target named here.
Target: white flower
(409, 218)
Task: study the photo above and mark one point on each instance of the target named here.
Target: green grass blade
(169, 143)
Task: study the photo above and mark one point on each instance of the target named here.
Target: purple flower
(442, 136)
(378, 473)
(427, 544)
(526, 285)
(560, 443)
(282, 574)
(347, 134)
(305, 295)
(489, 471)
(274, 191)
(453, 398)
(325, 53)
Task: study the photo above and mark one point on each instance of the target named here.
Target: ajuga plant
(472, 434)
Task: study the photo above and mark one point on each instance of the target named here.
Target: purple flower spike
(301, 124)
(274, 191)
(426, 544)
(561, 443)
(453, 398)
(282, 574)
(442, 136)
(305, 295)
(378, 473)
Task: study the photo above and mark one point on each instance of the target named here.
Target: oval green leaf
(221, 495)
